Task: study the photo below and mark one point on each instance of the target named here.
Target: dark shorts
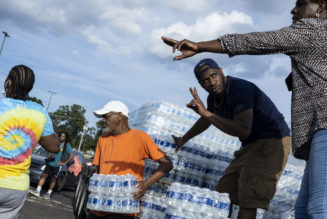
(50, 170)
(252, 176)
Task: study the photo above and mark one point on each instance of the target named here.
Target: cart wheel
(80, 182)
(81, 204)
(61, 180)
(82, 191)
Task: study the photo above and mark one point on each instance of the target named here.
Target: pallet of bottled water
(194, 164)
(199, 164)
(113, 193)
(162, 118)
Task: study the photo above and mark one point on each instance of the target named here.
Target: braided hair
(20, 81)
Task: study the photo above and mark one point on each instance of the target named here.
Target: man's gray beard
(105, 130)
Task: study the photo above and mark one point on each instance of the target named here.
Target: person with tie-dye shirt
(23, 124)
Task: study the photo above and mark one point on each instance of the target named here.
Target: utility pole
(3, 41)
(83, 133)
(51, 93)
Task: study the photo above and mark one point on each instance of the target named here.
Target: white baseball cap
(112, 106)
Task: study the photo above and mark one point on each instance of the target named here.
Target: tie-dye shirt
(22, 123)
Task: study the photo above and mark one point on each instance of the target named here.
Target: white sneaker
(47, 196)
(35, 193)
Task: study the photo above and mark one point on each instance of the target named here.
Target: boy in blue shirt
(64, 156)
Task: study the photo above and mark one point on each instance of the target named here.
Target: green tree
(98, 130)
(70, 119)
(34, 99)
(91, 137)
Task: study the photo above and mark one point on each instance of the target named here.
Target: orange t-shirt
(125, 154)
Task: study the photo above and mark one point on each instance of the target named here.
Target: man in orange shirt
(122, 151)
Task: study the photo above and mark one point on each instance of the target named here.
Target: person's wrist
(200, 47)
(206, 114)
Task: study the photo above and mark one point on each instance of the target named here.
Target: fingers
(180, 44)
(169, 41)
(191, 91)
(194, 93)
(176, 58)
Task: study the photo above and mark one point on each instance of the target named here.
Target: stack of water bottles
(113, 193)
(194, 164)
(154, 202)
(185, 201)
(198, 166)
(162, 118)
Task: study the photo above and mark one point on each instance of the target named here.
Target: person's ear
(8, 87)
(121, 116)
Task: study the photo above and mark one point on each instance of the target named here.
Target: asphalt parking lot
(60, 206)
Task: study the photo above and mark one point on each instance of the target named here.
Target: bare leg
(247, 213)
(53, 183)
(42, 180)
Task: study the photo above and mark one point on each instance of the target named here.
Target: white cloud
(279, 64)
(208, 27)
(190, 6)
(125, 20)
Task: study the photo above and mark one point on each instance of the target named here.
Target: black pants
(110, 216)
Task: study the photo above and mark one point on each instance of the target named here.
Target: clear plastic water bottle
(110, 204)
(126, 205)
(101, 179)
(89, 204)
(104, 189)
(113, 183)
(130, 183)
(103, 203)
(135, 207)
(92, 183)
(118, 204)
(96, 202)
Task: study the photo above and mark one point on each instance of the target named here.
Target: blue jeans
(312, 200)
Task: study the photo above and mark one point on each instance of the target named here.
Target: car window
(40, 151)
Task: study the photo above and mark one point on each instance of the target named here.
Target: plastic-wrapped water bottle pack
(113, 193)
(153, 204)
(198, 166)
(195, 164)
(185, 201)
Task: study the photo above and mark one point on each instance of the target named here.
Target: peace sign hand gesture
(196, 104)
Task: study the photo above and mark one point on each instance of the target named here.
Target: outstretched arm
(189, 48)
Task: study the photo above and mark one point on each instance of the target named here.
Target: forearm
(229, 126)
(210, 46)
(284, 41)
(50, 143)
(162, 170)
(200, 126)
(69, 159)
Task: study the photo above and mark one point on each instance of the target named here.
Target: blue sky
(91, 52)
